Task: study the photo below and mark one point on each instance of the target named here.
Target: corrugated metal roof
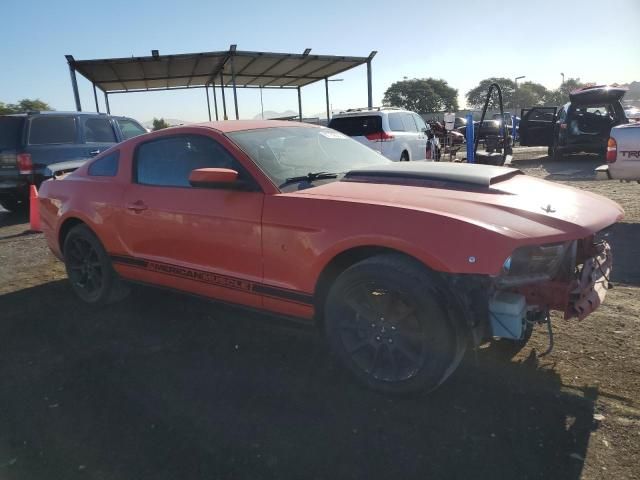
(252, 69)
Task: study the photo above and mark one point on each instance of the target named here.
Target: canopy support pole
(299, 104)
(106, 101)
(95, 97)
(215, 100)
(326, 91)
(206, 89)
(224, 101)
(74, 81)
(369, 83)
(369, 86)
(235, 94)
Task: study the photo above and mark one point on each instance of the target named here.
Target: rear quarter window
(52, 130)
(357, 126)
(395, 122)
(99, 130)
(106, 166)
(129, 128)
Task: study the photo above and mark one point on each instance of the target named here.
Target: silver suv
(399, 135)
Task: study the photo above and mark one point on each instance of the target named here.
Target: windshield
(287, 152)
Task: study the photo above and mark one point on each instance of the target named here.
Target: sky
(461, 41)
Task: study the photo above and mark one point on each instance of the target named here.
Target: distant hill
(273, 114)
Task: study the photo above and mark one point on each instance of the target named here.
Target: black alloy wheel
(89, 268)
(385, 319)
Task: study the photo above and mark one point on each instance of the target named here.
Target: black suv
(582, 125)
(34, 146)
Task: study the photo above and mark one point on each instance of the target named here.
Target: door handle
(137, 207)
(93, 153)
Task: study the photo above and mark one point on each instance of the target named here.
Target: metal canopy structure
(231, 68)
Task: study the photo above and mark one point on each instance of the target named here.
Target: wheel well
(407, 154)
(66, 227)
(336, 266)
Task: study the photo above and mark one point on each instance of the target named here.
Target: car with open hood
(581, 125)
(402, 265)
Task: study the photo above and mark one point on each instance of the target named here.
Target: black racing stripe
(216, 279)
(138, 262)
(278, 292)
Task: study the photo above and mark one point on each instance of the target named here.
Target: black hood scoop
(458, 173)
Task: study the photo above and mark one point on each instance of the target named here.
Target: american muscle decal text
(201, 276)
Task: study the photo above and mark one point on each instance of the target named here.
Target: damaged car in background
(403, 266)
(582, 125)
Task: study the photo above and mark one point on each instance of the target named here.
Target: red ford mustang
(402, 264)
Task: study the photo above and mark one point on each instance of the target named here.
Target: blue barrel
(470, 158)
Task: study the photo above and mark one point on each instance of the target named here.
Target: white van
(399, 135)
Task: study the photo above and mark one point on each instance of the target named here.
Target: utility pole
(515, 96)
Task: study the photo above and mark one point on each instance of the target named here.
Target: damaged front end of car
(571, 277)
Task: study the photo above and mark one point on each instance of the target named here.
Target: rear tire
(404, 157)
(89, 269)
(387, 320)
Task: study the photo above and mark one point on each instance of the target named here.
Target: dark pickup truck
(35, 146)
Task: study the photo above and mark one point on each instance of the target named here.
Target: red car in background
(402, 264)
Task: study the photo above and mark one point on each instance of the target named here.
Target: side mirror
(212, 177)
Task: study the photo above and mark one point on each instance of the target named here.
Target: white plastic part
(449, 121)
(508, 315)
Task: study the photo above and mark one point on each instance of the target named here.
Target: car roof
(53, 113)
(370, 111)
(228, 126)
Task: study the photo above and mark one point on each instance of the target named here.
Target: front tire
(89, 269)
(387, 321)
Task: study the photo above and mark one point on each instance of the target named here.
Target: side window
(562, 115)
(395, 122)
(52, 129)
(409, 123)
(169, 161)
(419, 122)
(99, 130)
(105, 166)
(129, 128)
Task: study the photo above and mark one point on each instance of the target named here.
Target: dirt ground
(164, 386)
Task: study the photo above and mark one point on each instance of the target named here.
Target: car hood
(497, 198)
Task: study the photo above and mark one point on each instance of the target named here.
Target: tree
(477, 96)
(159, 124)
(530, 94)
(560, 95)
(422, 95)
(24, 105)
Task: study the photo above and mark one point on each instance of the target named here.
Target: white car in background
(633, 114)
(399, 135)
(623, 154)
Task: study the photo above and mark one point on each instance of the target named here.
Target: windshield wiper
(309, 177)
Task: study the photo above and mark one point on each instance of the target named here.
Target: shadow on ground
(625, 245)
(165, 386)
(571, 167)
(8, 219)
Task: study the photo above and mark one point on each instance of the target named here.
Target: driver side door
(205, 241)
(537, 126)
